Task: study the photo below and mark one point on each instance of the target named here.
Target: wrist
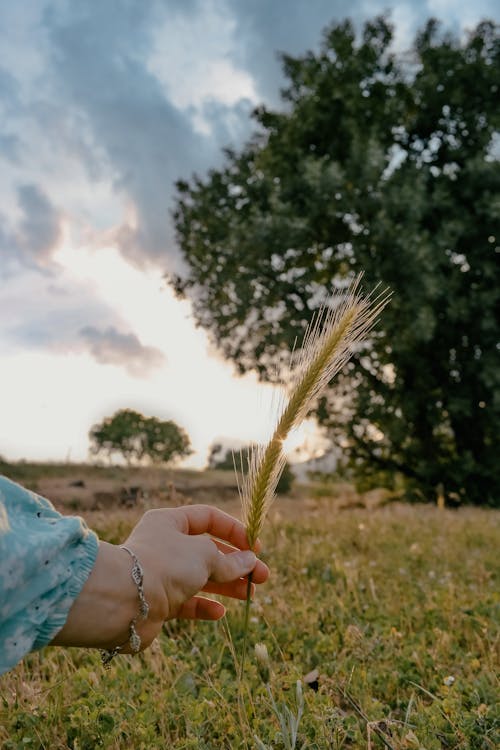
(100, 617)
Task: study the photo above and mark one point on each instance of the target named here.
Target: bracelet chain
(134, 640)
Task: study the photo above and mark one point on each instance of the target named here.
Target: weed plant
(340, 325)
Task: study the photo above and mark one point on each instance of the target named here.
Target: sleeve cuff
(81, 570)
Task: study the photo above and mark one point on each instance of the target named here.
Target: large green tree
(386, 163)
(136, 438)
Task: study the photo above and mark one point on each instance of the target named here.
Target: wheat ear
(328, 344)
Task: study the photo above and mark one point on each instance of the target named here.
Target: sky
(104, 104)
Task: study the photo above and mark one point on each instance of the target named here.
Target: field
(387, 614)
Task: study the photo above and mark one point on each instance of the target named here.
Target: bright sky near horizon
(103, 106)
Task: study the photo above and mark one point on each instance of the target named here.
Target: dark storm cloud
(231, 124)
(265, 29)
(9, 92)
(39, 230)
(99, 52)
(5, 254)
(10, 147)
(110, 347)
(31, 242)
(98, 61)
(106, 111)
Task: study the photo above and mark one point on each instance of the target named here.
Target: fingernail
(247, 559)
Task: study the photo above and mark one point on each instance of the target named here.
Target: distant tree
(138, 438)
(286, 480)
(226, 460)
(221, 457)
(389, 164)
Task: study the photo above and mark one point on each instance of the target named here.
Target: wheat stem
(245, 627)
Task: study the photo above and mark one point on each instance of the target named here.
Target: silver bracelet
(134, 640)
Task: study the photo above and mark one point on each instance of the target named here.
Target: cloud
(108, 65)
(10, 147)
(110, 347)
(36, 235)
(145, 113)
(42, 311)
(9, 92)
(192, 55)
(67, 316)
(265, 29)
(98, 59)
(39, 230)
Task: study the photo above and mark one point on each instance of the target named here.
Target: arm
(59, 584)
(45, 559)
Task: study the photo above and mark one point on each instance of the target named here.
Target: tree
(225, 460)
(388, 164)
(221, 458)
(138, 438)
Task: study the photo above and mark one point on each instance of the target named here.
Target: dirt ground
(87, 493)
(136, 490)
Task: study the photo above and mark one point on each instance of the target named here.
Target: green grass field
(397, 610)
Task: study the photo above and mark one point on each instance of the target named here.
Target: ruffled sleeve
(45, 558)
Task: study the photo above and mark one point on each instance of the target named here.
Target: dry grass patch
(393, 611)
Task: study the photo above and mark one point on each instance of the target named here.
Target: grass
(396, 609)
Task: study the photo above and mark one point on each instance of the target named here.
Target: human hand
(190, 549)
(182, 551)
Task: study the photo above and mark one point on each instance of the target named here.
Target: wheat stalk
(328, 344)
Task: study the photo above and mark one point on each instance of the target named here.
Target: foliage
(386, 163)
(223, 459)
(138, 438)
(387, 605)
(286, 480)
(288, 721)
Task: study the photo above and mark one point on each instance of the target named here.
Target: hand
(179, 559)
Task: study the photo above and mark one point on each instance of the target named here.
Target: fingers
(235, 589)
(260, 572)
(199, 608)
(230, 567)
(201, 519)
(223, 547)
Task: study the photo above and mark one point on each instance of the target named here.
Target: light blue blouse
(45, 558)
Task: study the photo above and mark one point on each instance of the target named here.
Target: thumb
(232, 566)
